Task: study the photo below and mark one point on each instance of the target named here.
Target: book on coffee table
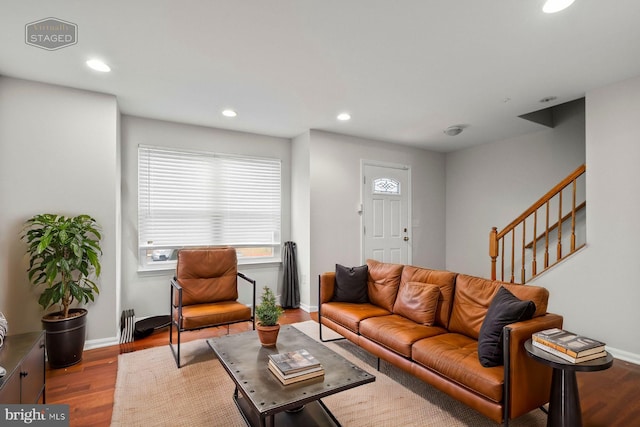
(294, 361)
(296, 376)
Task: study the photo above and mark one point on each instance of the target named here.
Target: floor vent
(127, 325)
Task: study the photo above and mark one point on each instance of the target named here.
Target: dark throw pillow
(351, 284)
(505, 308)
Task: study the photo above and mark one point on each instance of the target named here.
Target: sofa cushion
(396, 333)
(504, 309)
(351, 284)
(455, 357)
(473, 296)
(384, 280)
(349, 315)
(418, 302)
(445, 280)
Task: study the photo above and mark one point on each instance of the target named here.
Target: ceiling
(405, 70)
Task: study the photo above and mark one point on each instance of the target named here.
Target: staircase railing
(504, 245)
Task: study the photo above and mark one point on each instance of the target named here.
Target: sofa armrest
(527, 382)
(327, 284)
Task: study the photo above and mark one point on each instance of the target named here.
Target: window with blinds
(189, 199)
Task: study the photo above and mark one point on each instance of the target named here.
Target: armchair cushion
(207, 275)
(197, 316)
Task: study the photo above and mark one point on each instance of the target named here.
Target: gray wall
(490, 185)
(58, 154)
(597, 291)
(301, 213)
(336, 195)
(148, 292)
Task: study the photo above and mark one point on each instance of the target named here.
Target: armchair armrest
(527, 382)
(175, 286)
(248, 279)
(253, 296)
(175, 305)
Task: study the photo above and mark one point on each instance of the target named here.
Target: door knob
(406, 239)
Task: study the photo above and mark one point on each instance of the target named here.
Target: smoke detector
(453, 130)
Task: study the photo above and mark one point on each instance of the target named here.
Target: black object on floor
(147, 326)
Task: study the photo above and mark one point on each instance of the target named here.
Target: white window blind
(188, 198)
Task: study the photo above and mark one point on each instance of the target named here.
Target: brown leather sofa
(445, 353)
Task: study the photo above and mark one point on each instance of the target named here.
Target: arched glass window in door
(386, 186)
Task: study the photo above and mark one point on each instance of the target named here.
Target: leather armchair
(204, 293)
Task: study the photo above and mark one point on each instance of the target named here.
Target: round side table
(564, 401)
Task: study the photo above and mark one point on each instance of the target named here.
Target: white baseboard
(624, 355)
(308, 308)
(99, 343)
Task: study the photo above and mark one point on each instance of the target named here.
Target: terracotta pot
(268, 334)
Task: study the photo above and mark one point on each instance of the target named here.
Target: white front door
(386, 213)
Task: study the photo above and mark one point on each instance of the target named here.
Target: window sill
(171, 267)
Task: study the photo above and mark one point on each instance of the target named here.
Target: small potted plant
(267, 314)
(64, 257)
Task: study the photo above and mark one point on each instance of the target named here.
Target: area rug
(150, 390)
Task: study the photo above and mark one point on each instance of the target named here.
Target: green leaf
(76, 249)
(46, 240)
(52, 272)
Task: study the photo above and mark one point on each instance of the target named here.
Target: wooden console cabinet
(23, 358)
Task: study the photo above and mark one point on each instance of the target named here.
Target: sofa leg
(378, 367)
(328, 340)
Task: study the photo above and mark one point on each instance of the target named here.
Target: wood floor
(609, 398)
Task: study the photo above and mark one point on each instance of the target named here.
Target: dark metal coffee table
(263, 400)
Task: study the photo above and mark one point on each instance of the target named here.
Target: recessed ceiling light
(548, 99)
(343, 117)
(229, 113)
(553, 6)
(98, 65)
(453, 130)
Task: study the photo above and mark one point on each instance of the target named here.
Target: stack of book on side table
(294, 366)
(568, 346)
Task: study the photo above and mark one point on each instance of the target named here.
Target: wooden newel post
(493, 250)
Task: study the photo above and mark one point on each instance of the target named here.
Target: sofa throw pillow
(418, 301)
(351, 284)
(503, 310)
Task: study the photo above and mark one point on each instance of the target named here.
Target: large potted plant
(268, 313)
(64, 255)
